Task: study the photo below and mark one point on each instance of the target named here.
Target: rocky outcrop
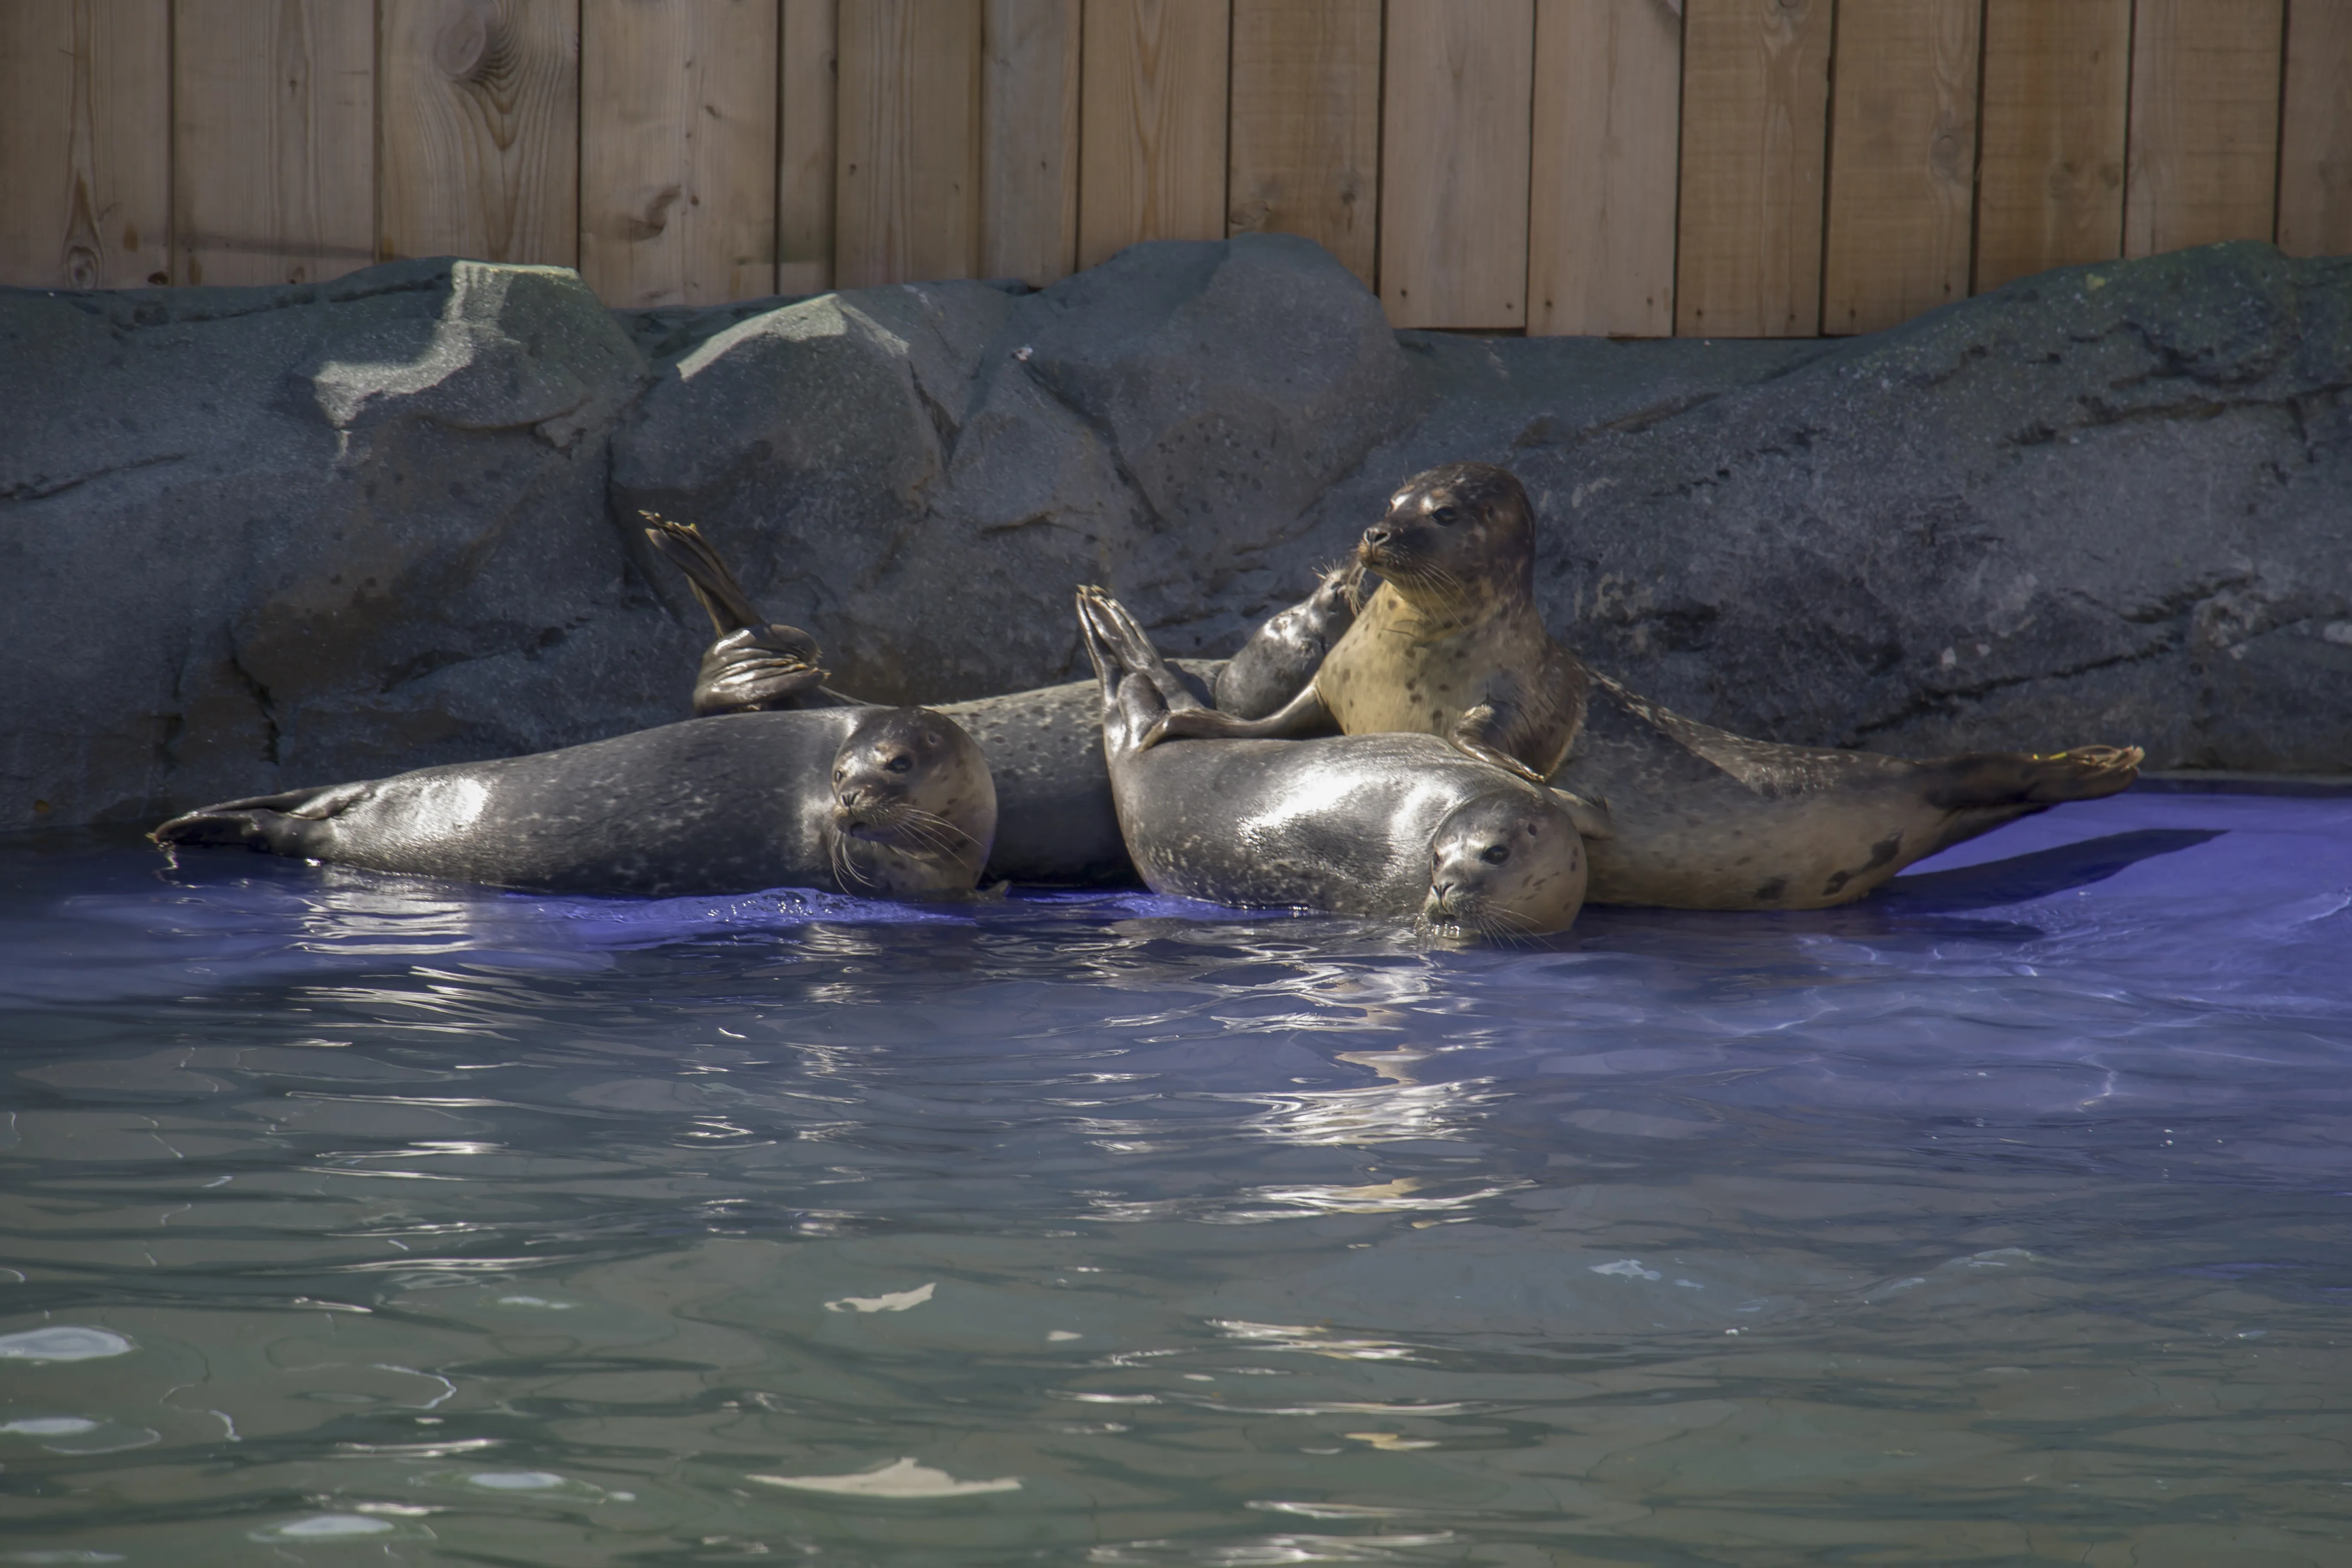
(257, 539)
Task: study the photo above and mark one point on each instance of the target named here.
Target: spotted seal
(1451, 645)
(1705, 819)
(1398, 826)
(877, 802)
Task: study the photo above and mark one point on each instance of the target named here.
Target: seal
(1395, 826)
(872, 802)
(1280, 660)
(1055, 820)
(1705, 819)
(1451, 645)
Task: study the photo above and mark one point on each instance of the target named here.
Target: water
(2002, 1219)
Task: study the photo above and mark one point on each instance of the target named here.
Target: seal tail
(1977, 781)
(715, 589)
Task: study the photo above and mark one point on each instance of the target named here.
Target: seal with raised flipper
(873, 802)
(1452, 644)
(1055, 820)
(1396, 826)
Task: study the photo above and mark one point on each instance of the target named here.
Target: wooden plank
(2314, 216)
(479, 130)
(1029, 140)
(1903, 161)
(1151, 108)
(1608, 132)
(1755, 128)
(273, 128)
(2050, 167)
(1454, 169)
(908, 182)
(1305, 142)
(2203, 160)
(86, 144)
(806, 148)
(678, 150)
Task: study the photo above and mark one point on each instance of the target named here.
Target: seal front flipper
(756, 665)
(1470, 734)
(1284, 653)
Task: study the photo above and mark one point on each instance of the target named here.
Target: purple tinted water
(2002, 1219)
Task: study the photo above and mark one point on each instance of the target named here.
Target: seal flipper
(284, 824)
(1283, 655)
(1978, 780)
(756, 665)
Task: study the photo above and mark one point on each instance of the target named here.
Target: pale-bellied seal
(1705, 819)
(876, 802)
(1452, 645)
(1394, 825)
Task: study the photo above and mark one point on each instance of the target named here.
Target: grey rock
(259, 539)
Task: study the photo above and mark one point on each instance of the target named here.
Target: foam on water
(2002, 1216)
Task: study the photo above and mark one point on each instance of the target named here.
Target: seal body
(877, 801)
(1396, 826)
(1705, 819)
(1453, 644)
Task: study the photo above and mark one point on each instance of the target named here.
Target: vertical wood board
(2204, 160)
(1456, 136)
(806, 146)
(678, 150)
(1152, 119)
(85, 143)
(2050, 180)
(1306, 143)
(480, 126)
(1903, 155)
(1608, 129)
(273, 140)
(906, 192)
(1029, 140)
(1755, 128)
(2314, 216)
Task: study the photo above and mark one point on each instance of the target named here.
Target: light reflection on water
(2001, 1219)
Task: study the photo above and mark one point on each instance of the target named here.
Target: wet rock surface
(257, 539)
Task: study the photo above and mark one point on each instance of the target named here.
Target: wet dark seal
(1396, 826)
(873, 802)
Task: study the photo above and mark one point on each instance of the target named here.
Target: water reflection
(2002, 1218)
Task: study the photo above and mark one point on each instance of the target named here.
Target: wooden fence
(1634, 167)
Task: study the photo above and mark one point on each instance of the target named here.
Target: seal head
(1501, 866)
(1456, 541)
(914, 808)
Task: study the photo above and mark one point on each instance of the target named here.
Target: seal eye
(1446, 516)
(1495, 854)
(899, 763)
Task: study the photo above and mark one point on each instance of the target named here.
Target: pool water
(2000, 1219)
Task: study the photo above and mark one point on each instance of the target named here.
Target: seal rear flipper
(284, 824)
(715, 589)
(1977, 781)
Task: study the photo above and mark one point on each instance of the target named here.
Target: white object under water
(902, 1478)
(896, 1301)
(62, 1344)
